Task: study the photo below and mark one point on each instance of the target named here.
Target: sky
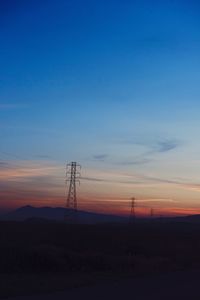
(113, 85)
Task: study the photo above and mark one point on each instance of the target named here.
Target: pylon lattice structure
(132, 214)
(72, 176)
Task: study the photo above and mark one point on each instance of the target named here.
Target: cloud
(152, 143)
(3, 165)
(151, 146)
(93, 179)
(178, 183)
(137, 161)
(42, 156)
(26, 170)
(125, 162)
(154, 200)
(23, 182)
(166, 145)
(100, 157)
(140, 180)
(121, 179)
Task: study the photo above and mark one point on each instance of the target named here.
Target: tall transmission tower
(132, 214)
(72, 176)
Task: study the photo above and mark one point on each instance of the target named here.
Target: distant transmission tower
(132, 214)
(72, 176)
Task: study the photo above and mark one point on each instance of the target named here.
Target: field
(37, 257)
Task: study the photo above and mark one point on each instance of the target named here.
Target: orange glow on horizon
(98, 206)
(43, 184)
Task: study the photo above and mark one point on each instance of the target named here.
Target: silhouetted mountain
(44, 214)
(37, 214)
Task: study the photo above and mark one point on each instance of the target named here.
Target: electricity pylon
(132, 214)
(72, 176)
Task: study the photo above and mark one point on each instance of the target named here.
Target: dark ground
(171, 286)
(40, 258)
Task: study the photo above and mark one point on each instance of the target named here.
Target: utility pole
(72, 176)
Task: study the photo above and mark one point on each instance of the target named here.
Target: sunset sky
(113, 85)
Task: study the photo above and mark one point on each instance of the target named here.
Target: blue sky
(111, 84)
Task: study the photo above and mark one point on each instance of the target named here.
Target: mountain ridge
(58, 213)
(47, 213)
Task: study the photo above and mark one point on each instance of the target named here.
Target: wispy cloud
(93, 179)
(154, 200)
(26, 169)
(3, 165)
(140, 180)
(42, 156)
(151, 146)
(166, 145)
(136, 161)
(100, 157)
(154, 144)
(23, 182)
